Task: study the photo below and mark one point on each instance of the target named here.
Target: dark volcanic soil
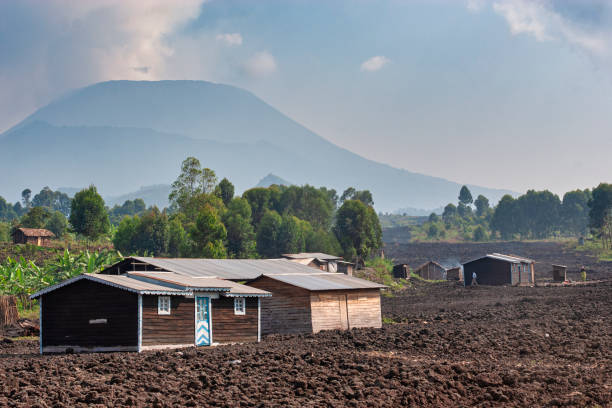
(544, 253)
(485, 346)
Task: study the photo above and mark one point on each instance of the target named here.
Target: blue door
(202, 324)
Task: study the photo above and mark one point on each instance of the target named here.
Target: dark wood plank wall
(176, 328)
(287, 311)
(431, 271)
(66, 313)
(488, 271)
(228, 327)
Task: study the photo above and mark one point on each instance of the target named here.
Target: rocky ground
(484, 346)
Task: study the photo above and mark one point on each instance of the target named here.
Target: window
(163, 305)
(239, 306)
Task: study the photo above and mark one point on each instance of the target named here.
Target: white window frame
(162, 302)
(239, 306)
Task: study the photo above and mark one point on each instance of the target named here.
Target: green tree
(465, 196)
(5, 232)
(538, 213)
(53, 200)
(36, 217)
(479, 234)
(433, 218)
(191, 182)
(225, 191)
(505, 217)
(365, 196)
(358, 230)
(449, 214)
(482, 205)
(575, 211)
(268, 234)
(240, 235)
(88, 215)
(7, 212)
(25, 197)
(208, 234)
(433, 231)
(125, 236)
(321, 241)
(291, 235)
(259, 201)
(152, 233)
(177, 239)
(129, 207)
(600, 213)
(57, 224)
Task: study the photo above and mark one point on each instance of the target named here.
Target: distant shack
(324, 262)
(34, 236)
(433, 270)
(499, 269)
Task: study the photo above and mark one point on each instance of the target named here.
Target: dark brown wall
(287, 311)
(66, 313)
(489, 272)
(176, 328)
(228, 327)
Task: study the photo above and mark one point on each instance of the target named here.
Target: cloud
(476, 5)
(374, 63)
(585, 25)
(260, 65)
(52, 46)
(230, 39)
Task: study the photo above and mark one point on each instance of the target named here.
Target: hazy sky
(512, 94)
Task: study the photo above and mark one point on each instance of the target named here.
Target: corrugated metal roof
(318, 255)
(326, 281)
(502, 257)
(236, 269)
(121, 282)
(201, 283)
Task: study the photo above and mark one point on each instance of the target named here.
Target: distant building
(559, 273)
(499, 269)
(324, 262)
(401, 271)
(35, 236)
(433, 270)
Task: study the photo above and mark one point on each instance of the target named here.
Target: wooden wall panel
(329, 311)
(176, 328)
(228, 327)
(66, 313)
(364, 308)
(287, 311)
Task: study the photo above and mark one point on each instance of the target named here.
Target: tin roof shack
(499, 269)
(324, 262)
(35, 236)
(433, 270)
(304, 299)
(559, 273)
(141, 311)
(311, 302)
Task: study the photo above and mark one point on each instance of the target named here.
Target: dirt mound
(456, 347)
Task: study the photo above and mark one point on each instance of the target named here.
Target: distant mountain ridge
(122, 134)
(271, 179)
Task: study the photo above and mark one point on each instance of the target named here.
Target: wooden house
(311, 302)
(35, 236)
(433, 270)
(145, 303)
(499, 269)
(324, 262)
(298, 290)
(146, 310)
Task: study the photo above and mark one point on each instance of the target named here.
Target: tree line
(533, 215)
(206, 219)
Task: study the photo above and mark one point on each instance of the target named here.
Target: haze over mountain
(121, 135)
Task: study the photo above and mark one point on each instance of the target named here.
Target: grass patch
(29, 313)
(420, 278)
(381, 270)
(388, 320)
(24, 338)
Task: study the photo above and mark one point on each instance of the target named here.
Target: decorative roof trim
(232, 295)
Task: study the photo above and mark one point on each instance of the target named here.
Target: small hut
(401, 271)
(433, 270)
(35, 236)
(559, 273)
(324, 262)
